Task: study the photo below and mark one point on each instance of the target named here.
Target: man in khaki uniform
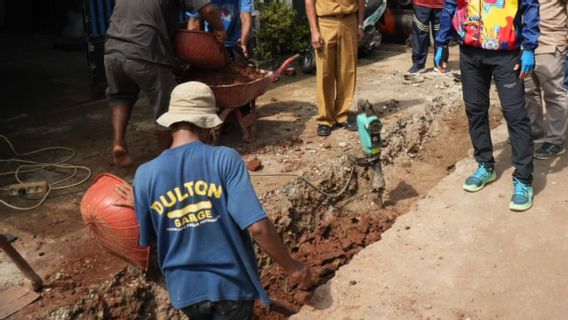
(335, 26)
(546, 83)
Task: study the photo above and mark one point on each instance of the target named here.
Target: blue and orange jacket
(491, 24)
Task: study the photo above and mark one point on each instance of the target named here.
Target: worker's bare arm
(267, 237)
(360, 17)
(246, 27)
(317, 41)
(210, 14)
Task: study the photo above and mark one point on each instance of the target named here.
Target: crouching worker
(198, 203)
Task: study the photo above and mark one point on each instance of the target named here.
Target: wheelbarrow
(234, 99)
(202, 49)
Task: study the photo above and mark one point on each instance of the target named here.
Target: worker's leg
(476, 80)
(122, 93)
(233, 310)
(199, 311)
(436, 15)
(420, 37)
(120, 115)
(221, 310)
(157, 83)
(325, 70)
(346, 67)
(566, 72)
(511, 95)
(533, 102)
(551, 66)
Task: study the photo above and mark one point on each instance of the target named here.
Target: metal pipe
(21, 263)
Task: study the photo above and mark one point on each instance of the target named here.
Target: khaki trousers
(546, 83)
(336, 64)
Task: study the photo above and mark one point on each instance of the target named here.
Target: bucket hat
(192, 102)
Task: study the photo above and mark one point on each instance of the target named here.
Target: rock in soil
(254, 165)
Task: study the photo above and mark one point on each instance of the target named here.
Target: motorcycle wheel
(372, 40)
(309, 61)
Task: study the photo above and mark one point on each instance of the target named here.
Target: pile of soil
(129, 295)
(231, 73)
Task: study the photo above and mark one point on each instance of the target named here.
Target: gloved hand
(439, 57)
(527, 63)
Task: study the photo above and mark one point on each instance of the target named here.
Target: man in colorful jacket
(497, 40)
(426, 15)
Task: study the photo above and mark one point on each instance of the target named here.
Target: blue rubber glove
(527, 63)
(439, 57)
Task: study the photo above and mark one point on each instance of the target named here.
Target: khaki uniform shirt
(553, 26)
(335, 7)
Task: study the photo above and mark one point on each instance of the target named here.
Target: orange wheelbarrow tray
(240, 94)
(234, 96)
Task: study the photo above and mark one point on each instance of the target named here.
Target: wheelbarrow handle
(284, 66)
(21, 263)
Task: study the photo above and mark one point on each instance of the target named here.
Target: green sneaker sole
(474, 188)
(519, 207)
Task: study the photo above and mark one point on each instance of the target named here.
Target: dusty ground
(425, 135)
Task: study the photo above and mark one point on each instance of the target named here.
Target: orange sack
(115, 228)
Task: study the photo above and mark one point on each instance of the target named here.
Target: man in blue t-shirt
(198, 203)
(237, 20)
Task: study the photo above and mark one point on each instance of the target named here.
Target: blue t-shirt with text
(197, 202)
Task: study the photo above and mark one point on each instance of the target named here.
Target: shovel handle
(283, 307)
(21, 263)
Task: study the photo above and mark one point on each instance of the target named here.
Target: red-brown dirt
(331, 246)
(231, 73)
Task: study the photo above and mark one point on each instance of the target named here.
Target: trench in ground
(420, 149)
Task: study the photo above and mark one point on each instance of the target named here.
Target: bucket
(200, 49)
(115, 228)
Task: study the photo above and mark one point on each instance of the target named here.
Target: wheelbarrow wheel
(309, 61)
(249, 133)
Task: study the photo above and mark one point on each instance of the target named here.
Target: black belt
(337, 16)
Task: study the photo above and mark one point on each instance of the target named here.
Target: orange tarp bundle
(115, 228)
